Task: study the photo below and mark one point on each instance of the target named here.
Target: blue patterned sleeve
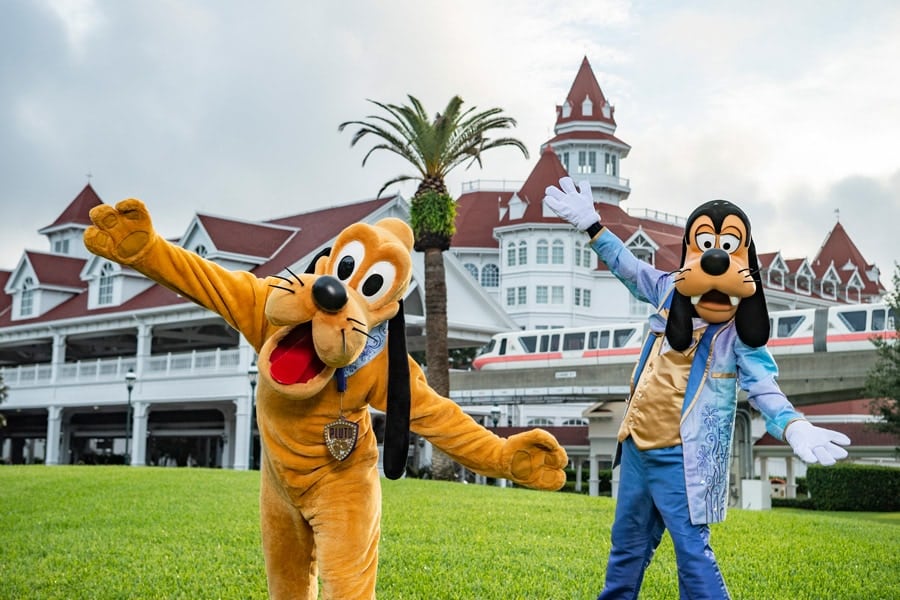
(757, 375)
(645, 282)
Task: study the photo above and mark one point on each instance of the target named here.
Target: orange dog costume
(323, 362)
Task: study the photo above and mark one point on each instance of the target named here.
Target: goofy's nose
(715, 261)
(329, 294)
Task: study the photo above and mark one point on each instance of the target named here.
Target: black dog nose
(715, 261)
(329, 294)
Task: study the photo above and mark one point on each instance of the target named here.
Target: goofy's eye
(378, 280)
(706, 241)
(349, 257)
(729, 243)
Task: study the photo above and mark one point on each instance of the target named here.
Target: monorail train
(836, 328)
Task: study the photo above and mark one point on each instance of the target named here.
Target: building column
(144, 338)
(58, 357)
(140, 410)
(228, 438)
(579, 463)
(242, 417)
(54, 431)
(790, 485)
(594, 476)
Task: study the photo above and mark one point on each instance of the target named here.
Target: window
(878, 319)
(575, 422)
(490, 276)
(556, 294)
(573, 341)
(472, 269)
(105, 286)
(598, 340)
(511, 255)
(576, 297)
(542, 257)
(61, 246)
(26, 304)
(577, 254)
(564, 159)
(855, 320)
(558, 253)
(586, 258)
(587, 162)
(776, 279)
(621, 337)
(829, 289)
(510, 296)
(540, 422)
(529, 342)
(542, 296)
(788, 325)
(612, 165)
(643, 254)
(522, 294)
(586, 298)
(200, 250)
(523, 252)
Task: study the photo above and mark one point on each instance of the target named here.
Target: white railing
(491, 185)
(114, 369)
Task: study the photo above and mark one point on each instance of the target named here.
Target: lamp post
(130, 379)
(495, 414)
(253, 376)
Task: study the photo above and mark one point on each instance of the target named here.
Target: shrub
(850, 486)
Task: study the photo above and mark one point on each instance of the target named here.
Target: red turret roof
(585, 86)
(78, 211)
(839, 249)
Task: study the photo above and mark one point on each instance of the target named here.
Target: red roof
(241, 237)
(56, 270)
(839, 249)
(78, 211)
(585, 86)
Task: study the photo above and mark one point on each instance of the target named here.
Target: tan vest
(653, 416)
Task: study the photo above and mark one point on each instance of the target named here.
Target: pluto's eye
(349, 257)
(729, 243)
(378, 280)
(706, 241)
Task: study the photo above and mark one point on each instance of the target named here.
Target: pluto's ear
(752, 317)
(312, 264)
(396, 427)
(680, 323)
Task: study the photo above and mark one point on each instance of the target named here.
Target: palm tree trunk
(436, 352)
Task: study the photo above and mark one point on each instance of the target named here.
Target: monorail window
(545, 343)
(529, 342)
(598, 339)
(502, 349)
(892, 319)
(486, 349)
(788, 325)
(855, 320)
(621, 337)
(878, 319)
(554, 342)
(573, 341)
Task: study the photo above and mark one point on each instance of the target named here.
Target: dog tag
(340, 437)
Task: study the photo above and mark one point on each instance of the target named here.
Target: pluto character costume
(322, 338)
(707, 337)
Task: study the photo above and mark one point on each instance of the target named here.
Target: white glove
(576, 207)
(815, 444)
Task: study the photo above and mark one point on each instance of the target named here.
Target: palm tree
(434, 147)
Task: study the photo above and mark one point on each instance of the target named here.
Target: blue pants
(653, 498)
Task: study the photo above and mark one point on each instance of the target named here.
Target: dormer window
(200, 250)
(26, 300)
(61, 246)
(566, 110)
(587, 107)
(105, 285)
(612, 165)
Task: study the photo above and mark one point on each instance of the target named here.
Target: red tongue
(294, 360)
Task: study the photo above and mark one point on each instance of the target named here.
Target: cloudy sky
(791, 110)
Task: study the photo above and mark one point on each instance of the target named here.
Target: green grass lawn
(117, 532)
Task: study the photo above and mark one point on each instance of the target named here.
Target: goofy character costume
(707, 337)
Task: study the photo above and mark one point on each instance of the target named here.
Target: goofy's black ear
(312, 265)
(752, 318)
(396, 427)
(680, 324)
